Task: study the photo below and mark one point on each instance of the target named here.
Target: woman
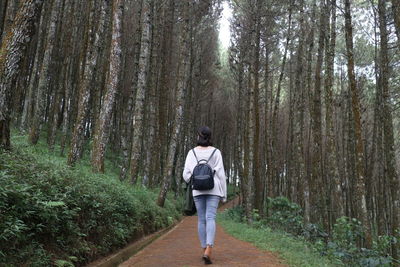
(206, 201)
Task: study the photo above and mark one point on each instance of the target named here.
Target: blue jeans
(206, 206)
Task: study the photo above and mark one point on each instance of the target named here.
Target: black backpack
(203, 174)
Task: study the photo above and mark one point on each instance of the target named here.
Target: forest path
(180, 247)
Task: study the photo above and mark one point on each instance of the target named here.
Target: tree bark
(85, 85)
(331, 163)
(45, 77)
(182, 83)
(390, 170)
(29, 98)
(3, 9)
(318, 185)
(102, 130)
(126, 135)
(274, 141)
(10, 11)
(360, 174)
(144, 62)
(258, 185)
(60, 76)
(396, 16)
(12, 50)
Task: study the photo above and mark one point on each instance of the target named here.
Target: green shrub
(51, 214)
(347, 234)
(285, 215)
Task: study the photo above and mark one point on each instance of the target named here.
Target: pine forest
(303, 101)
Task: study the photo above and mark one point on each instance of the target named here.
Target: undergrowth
(293, 251)
(300, 244)
(54, 215)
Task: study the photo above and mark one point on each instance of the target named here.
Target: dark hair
(204, 136)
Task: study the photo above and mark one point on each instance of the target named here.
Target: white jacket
(215, 163)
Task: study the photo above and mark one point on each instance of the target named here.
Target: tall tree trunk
(102, 130)
(318, 186)
(274, 144)
(3, 10)
(45, 75)
(331, 163)
(10, 11)
(165, 83)
(71, 48)
(182, 83)
(360, 174)
(299, 105)
(150, 108)
(85, 85)
(258, 188)
(396, 16)
(60, 76)
(144, 63)
(126, 135)
(239, 133)
(307, 99)
(390, 169)
(12, 51)
(29, 98)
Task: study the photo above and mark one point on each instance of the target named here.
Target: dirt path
(181, 247)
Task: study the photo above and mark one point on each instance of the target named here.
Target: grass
(294, 251)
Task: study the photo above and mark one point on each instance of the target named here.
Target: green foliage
(346, 232)
(232, 191)
(51, 214)
(285, 215)
(342, 247)
(295, 251)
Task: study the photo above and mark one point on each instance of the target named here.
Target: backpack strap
(195, 156)
(212, 154)
(198, 161)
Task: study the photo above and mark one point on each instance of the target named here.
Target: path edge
(125, 253)
(130, 250)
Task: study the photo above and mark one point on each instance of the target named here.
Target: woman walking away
(205, 167)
